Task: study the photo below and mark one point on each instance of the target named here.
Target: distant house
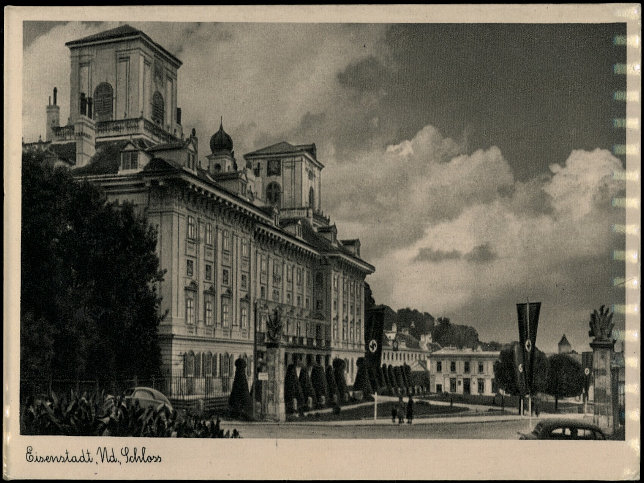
(463, 371)
(564, 346)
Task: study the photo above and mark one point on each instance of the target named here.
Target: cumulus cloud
(452, 232)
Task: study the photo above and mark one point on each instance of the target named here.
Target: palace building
(238, 237)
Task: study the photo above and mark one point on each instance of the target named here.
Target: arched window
(224, 364)
(198, 364)
(231, 366)
(158, 108)
(311, 198)
(207, 364)
(103, 102)
(189, 364)
(217, 168)
(274, 194)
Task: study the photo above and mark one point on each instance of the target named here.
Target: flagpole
(531, 368)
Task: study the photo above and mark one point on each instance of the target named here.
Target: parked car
(564, 429)
(145, 396)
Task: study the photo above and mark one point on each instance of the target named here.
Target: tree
(565, 377)
(369, 301)
(505, 371)
(362, 382)
(292, 388)
(319, 383)
(239, 400)
(340, 381)
(89, 277)
(331, 385)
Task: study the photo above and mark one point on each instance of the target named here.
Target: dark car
(565, 429)
(145, 396)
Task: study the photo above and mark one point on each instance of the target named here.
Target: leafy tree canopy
(505, 372)
(89, 301)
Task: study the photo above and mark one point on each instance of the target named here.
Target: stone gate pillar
(603, 399)
(601, 329)
(275, 407)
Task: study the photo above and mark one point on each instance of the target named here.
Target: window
(467, 366)
(207, 364)
(452, 384)
(189, 364)
(274, 167)
(277, 272)
(273, 194)
(288, 298)
(263, 265)
(245, 249)
(289, 273)
(208, 271)
(226, 241)
(191, 228)
(244, 281)
(311, 198)
(129, 160)
(276, 295)
(307, 303)
(299, 301)
(225, 311)
(225, 276)
(452, 366)
(190, 268)
(103, 102)
(244, 317)
(262, 292)
(208, 234)
(208, 310)
(335, 305)
(190, 307)
(480, 383)
(158, 108)
(298, 278)
(439, 388)
(481, 369)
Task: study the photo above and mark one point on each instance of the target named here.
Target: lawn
(421, 409)
(507, 401)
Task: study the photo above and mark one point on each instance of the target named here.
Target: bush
(239, 401)
(318, 378)
(392, 379)
(340, 381)
(292, 389)
(362, 382)
(96, 415)
(307, 387)
(331, 385)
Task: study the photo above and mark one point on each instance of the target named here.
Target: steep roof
(122, 31)
(65, 152)
(278, 148)
(564, 341)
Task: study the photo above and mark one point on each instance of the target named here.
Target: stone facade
(463, 371)
(236, 239)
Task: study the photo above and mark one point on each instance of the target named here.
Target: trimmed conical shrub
(307, 387)
(318, 378)
(340, 381)
(381, 378)
(362, 382)
(239, 400)
(385, 374)
(373, 377)
(399, 380)
(392, 378)
(292, 389)
(331, 385)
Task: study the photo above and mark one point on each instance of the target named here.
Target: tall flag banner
(528, 315)
(519, 367)
(373, 335)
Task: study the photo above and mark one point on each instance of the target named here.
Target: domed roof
(220, 140)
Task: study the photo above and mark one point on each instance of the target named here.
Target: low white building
(463, 371)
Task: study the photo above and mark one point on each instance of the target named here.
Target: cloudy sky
(473, 161)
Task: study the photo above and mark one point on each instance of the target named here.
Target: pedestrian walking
(394, 413)
(410, 410)
(401, 410)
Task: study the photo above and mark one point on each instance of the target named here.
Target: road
(447, 430)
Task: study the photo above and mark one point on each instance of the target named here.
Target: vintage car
(564, 429)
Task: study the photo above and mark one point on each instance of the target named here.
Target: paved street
(499, 429)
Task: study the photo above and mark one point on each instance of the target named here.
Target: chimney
(55, 95)
(85, 132)
(53, 118)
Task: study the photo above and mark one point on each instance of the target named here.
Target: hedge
(292, 389)
(318, 378)
(340, 381)
(239, 401)
(331, 385)
(362, 382)
(307, 387)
